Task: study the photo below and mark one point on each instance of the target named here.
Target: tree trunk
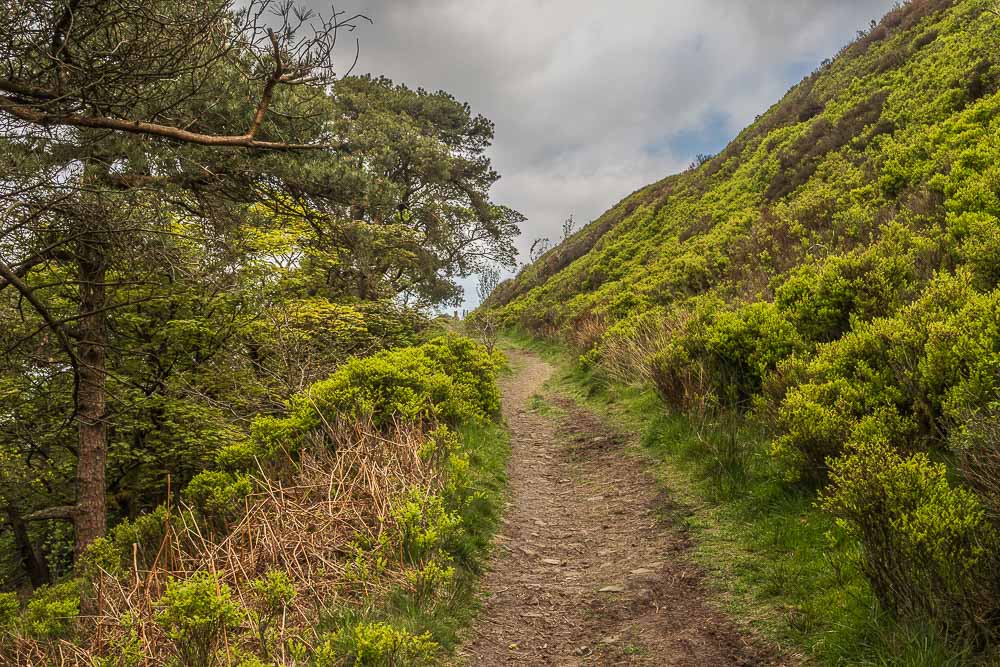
(34, 564)
(91, 511)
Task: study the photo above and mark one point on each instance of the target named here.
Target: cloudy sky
(593, 99)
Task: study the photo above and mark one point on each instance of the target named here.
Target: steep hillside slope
(833, 275)
(874, 142)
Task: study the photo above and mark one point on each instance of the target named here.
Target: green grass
(768, 551)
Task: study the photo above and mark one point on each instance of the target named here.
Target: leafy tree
(415, 213)
(103, 104)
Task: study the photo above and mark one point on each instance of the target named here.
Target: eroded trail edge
(587, 571)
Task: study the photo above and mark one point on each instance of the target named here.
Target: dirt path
(587, 572)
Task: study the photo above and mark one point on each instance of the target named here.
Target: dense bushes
(821, 299)
(356, 549)
(721, 356)
(926, 546)
(448, 380)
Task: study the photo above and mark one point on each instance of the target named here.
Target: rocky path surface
(587, 570)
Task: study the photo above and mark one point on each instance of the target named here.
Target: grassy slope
(893, 133)
(765, 548)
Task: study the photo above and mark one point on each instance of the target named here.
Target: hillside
(864, 145)
(832, 277)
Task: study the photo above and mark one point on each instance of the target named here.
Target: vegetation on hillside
(831, 276)
(220, 415)
(347, 531)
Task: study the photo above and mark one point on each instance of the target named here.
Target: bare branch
(153, 129)
(61, 513)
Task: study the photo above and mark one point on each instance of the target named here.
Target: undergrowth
(349, 532)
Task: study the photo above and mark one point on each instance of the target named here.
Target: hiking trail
(587, 569)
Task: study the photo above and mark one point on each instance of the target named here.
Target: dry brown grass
(305, 526)
(587, 331)
(626, 357)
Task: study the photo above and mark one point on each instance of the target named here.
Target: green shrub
(374, 645)
(424, 525)
(429, 580)
(146, 531)
(743, 346)
(981, 246)
(822, 299)
(469, 365)
(722, 355)
(906, 369)
(926, 547)
(681, 381)
(101, 556)
(272, 594)
(125, 650)
(813, 429)
(241, 456)
(195, 613)
(448, 380)
(10, 607)
(961, 367)
(977, 445)
(52, 610)
(218, 495)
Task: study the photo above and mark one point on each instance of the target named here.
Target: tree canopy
(200, 219)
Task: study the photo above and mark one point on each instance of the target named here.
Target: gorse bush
(425, 525)
(915, 374)
(9, 608)
(822, 299)
(447, 380)
(926, 546)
